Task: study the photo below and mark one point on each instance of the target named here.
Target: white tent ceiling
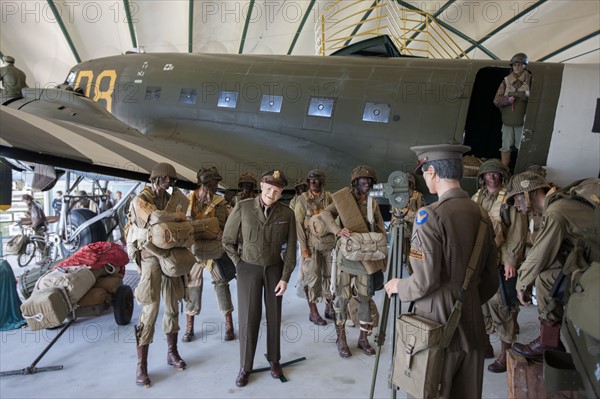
(31, 31)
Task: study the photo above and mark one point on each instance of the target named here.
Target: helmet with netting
(247, 177)
(207, 174)
(525, 182)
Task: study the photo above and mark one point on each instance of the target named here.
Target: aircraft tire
(95, 232)
(123, 305)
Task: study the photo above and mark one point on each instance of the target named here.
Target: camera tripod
(394, 270)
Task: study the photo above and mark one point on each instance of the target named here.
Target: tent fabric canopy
(48, 37)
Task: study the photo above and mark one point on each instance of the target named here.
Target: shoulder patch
(421, 216)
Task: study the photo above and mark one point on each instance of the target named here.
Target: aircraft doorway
(483, 127)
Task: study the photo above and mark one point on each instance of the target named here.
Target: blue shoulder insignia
(421, 217)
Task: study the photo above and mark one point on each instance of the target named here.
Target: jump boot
(141, 375)
(549, 339)
(499, 365)
(342, 345)
(189, 329)
(363, 341)
(314, 315)
(173, 358)
(329, 309)
(229, 334)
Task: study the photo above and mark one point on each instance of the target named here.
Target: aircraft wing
(130, 155)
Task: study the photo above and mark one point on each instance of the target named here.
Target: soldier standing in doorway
(511, 98)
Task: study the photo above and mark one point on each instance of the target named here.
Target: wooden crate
(526, 380)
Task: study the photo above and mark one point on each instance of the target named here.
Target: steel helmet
(363, 171)
(316, 174)
(8, 59)
(525, 182)
(493, 165)
(207, 174)
(247, 177)
(300, 182)
(519, 57)
(163, 169)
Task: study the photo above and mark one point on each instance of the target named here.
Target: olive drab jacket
(441, 245)
(263, 238)
(564, 222)
(510, 238)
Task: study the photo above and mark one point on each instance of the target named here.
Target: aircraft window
(271, 103)
(71, 78)
(153, 93)
(376, 112)
(187, 96)
(228, 99)
(321, 107)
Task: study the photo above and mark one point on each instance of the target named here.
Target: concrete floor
(99, 359)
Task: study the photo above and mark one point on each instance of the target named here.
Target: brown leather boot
(314, 315)
(173, 358)
(549, 339)
(229, 334)
(141, 375)
(363, 341)
(342, 345)
(329, 309)
(189, 329)
(489, 349)
(499, 365)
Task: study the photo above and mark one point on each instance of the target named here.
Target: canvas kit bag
(206, 229)
(46, 308)
(363, 243)
(205, 250)
(421, 342)
(76, 280)
(174, 262)
(364, 246)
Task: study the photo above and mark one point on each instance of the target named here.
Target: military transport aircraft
(258, 112)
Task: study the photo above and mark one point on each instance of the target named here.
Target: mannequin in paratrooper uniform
(153, 282)
(568, 223)
(315, 251)
(511, 98)
(247, 184)
(510, 229)
(205, 203)
(362, 180)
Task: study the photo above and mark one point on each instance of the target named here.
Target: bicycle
(44, 248)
